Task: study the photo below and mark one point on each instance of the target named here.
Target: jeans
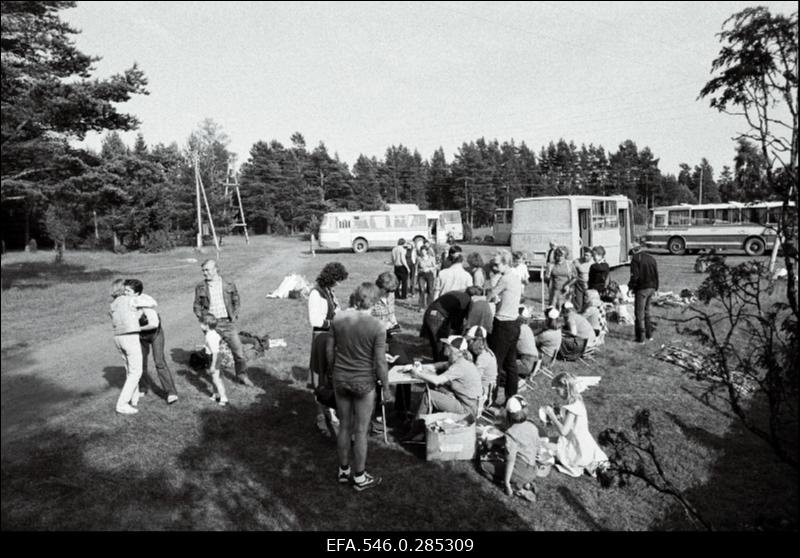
(131, 351)
(503, 343)
(437, 327)
(425, 282)
(442, 400)
(155, 339)
(230, 334)
(401, 273)
(644, 325)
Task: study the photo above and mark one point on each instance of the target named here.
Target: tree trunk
(96, 230)
(116, 242)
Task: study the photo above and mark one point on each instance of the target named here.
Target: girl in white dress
(577, 451)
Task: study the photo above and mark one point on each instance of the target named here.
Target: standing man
(506, 326)
(221, 299)
(453, 278)
(643, 284)
(401, 269)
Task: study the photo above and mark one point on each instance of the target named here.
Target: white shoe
(136, 396)
(172, 399)
(127, 410)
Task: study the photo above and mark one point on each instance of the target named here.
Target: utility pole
(199, 211)
(701, 183)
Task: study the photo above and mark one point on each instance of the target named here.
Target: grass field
(69, 462)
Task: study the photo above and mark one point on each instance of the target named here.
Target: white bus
(449, 221)
(501, 228)
(687, 228)
(362, 230)
(574, 222)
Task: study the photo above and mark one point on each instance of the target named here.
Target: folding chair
(545, 365)
(590, 350)
(485, 397)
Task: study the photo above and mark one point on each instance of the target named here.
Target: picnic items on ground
(292, 283)
(449, 436)
(669, 298)
(704, 367)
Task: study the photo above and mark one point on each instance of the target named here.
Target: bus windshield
(451, 216)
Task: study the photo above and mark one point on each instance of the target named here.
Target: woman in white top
(125, 321)
(577, 451)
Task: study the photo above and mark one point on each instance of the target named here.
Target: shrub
(158, 241)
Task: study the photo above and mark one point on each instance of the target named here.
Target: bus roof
(728, 205)
(618, 197)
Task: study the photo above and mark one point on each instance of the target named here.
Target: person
(322, 307)
(599, 271)
(411, 261)
(480, 312)
(221, 298)
(576, 450)
(493, 278)
(643, 283)
(443, 317)
(357, 349)
(576, 328)
(505, 328)
(208, 323)
(550, 258)
(125, 324)
(454, 278)
(548, 342)
(401, 269)
(152, 337)
(383, 308)
(581, 285)
(521, 268)
(457, 387)
(426, 276)
(483, 357)
(522, 442)
(527, 353)
(561, 278)
(475, 264)
(447, 255)
(595, 312)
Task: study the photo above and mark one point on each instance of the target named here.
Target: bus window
(360, 223)
(660, 220)
(604, 215)
(400, 222)
(757, 215)
(328, 222)
(679, 217)
(451, 216)
(379, 221)
(775, 215)
(726, 216)
(418, 221)
(344, 223)
(703, 217)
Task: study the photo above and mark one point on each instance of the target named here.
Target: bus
(449, 221)
(687, 228)
(501, 228)
(574, 222)
(362, 230)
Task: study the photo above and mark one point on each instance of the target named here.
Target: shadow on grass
(40, 275)
(249, 468)
(115, 376)
(198, 379)
(580, 509)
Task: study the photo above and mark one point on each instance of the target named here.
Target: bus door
(624, 235)
(441, 230)
(585, 228)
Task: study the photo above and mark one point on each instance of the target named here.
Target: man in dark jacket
(643, 284)
(220, 298)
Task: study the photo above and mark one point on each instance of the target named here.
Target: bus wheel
(360, 246)
(754, 246)
(676, 245)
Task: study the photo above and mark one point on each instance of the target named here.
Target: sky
(363, 76)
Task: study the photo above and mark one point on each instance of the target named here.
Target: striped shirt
(216, 303)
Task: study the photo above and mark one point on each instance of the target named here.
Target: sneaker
(343, 476)
(172, 399)
(223, 402)
(127, 410)
(368, 482)
(215, 398)
(136, 396)
(649, 339)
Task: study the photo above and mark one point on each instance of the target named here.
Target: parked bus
(362, 230)
(687, 228)
(501, 229)
(450, 221)
(574, 222)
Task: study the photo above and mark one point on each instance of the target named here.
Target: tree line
(144, 196)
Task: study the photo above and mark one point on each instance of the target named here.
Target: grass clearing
(260, 465)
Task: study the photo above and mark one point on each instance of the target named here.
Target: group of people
(138, 329)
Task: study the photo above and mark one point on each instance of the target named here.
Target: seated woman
(527, 353)
(548, 342)
(577, 451)
(485, 360)
(457, 388)
(595, 312)
(576, 330)
(522, 445)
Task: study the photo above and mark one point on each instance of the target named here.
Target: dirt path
(47, 384)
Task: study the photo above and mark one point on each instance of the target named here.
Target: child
(484, 359)
(208, 324)
(522, 446)
(595, 313)
(576, 450)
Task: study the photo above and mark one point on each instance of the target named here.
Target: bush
(158, 241)
(467, 233)
(477, 239)
(488, 239)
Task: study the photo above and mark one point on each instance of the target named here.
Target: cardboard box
(451, 442)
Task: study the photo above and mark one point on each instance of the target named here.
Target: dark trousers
(644, 325)
(412, 277)
(229, 332)
(503, 343)
(425, 282)
(401, 273)
(155, 339)
(437, 326)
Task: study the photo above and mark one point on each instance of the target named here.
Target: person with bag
(357, 349)
(151, 336)
(322, 308)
